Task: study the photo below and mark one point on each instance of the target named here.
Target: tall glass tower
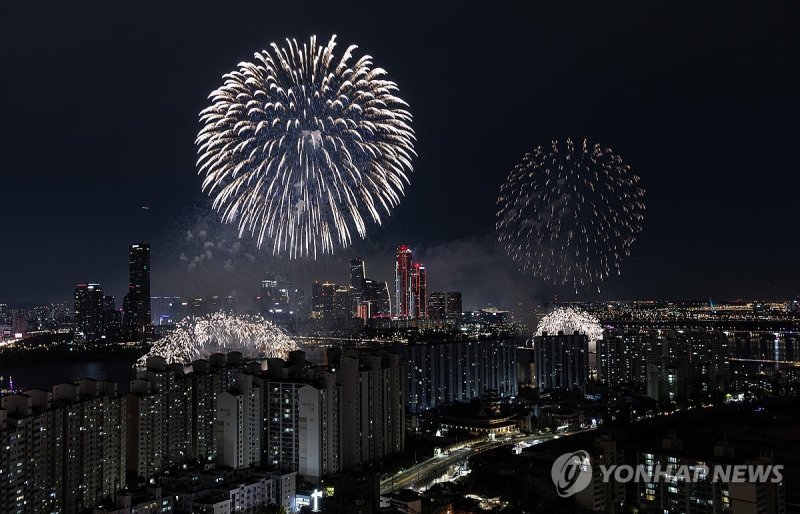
(137, 317)
(403, 298)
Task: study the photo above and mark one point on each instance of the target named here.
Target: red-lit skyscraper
(403, 296)
(419, 290)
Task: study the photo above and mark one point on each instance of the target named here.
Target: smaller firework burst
(570, 320)
(569, 213)
(199, 337)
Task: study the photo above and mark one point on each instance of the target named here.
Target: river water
(47, 374)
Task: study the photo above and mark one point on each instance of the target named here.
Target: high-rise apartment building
(562, 361)
(93, 442)
(319, 429)
(302, 418)
(159, 418)
(31, 458)
(240, 423)
(373, 393)
(445, 372)
(62, 451)
(210, 378)
(623, 356)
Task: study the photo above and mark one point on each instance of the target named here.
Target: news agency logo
(571, 473)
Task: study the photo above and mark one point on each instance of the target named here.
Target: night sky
(702, 99)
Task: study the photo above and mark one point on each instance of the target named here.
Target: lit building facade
(562, 361)
(159, 419)
(63, 451)
(240, 423)
(30, 453)
(705, 495)
(442, 373)
(137, 315)
(276, 302)
(357, 278)
(89, 309)
(373, 393)
(376, 296)
(444, 305)
(419, 291)
(403, 294)
(94, 442)
(623, 357)
(210, 378)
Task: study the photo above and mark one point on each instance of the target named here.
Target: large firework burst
(302, 148)
(570, 213)
(570, 320)
(199, 337)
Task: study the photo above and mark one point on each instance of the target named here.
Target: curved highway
(436, 466)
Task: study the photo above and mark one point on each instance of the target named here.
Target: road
(437, 466)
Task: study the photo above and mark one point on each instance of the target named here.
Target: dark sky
(702, 99)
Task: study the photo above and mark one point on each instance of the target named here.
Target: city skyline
(710, 147)
(250, 293)
(429, 257)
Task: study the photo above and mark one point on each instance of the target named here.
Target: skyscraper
(316, 300)
(376, 295)
(274, 299)
(327, 290)
(444, 305)
(437, 304)
(419, 291)
(137, 317)
(454, 306)
(89, 307)
(402, 282)
(357, 277)
(343, 310)
(623, 356)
